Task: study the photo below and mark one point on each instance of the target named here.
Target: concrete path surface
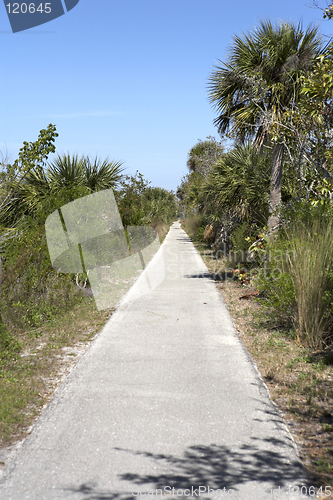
(165, 402)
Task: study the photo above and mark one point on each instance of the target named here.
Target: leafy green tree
(130, 197)
(161, 205)
(200, 162)
(190, 194)
(261, 79)
(316, 105)
(32, 155)
(204, 154)
(306, 130)
(139, 203)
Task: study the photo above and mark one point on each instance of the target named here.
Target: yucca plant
(66, 171)
(66, 178)
(102, 174)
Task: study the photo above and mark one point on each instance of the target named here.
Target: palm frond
(262, 74)
(66, 171)
(240, 181)
(102, 174)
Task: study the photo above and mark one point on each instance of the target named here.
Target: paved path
(165, 397)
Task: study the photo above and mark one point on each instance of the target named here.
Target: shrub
(194, 226)
(32, 291)
(9, 346)
(297, 277)
(277, 289)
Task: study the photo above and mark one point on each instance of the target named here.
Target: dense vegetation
(263, 192)
(32, 292)
(258, 203)
(266, 200)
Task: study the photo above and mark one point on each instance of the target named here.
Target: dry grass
(162, 229)
(28, 381)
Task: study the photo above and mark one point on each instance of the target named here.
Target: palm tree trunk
(276, 183)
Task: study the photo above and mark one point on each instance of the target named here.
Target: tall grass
(296, 276)
(194, 226)
(310, 264)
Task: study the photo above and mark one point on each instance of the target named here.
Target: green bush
(9, 346)
(277, 289)
(194, 226)
(238, 237)
(160, 205)
(32, 291)
(199, 235)
(297, 276)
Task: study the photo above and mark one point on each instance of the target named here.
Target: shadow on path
(221, 276)
(215, 467)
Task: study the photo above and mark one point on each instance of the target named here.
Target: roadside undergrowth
(34, 361)
(46, 324)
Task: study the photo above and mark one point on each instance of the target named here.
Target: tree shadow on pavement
(215, 467)
(220, 276)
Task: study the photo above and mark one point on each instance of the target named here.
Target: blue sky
(126, 79)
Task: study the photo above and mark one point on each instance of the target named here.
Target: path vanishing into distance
(166, 401)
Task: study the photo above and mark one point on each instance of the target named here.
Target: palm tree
(204, 154)
(66, 171)
(68, 177)
(161, 204)
(238, 183)
(102, 174)
(260, 81)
